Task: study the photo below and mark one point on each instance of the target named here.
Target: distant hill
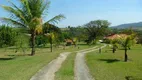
(133, 25)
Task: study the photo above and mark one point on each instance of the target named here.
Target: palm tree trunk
(126, 56)
(33, 43)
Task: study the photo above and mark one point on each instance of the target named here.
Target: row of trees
(19, 37)
(54, 35)
(90, 32)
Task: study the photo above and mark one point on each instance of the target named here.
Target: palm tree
(125, 42)
(51, 37)
(29, 15)
(114, 45)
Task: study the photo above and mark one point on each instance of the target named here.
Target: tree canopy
(96, 29)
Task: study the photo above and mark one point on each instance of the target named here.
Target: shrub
(7, 36)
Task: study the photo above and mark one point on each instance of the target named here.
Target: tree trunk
(33, 43)
(51, 47)
(126, 56)
(113, 50)
(74, 44)
(100, 50)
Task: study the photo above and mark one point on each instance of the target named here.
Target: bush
(107, 41)
(7, 36)
(22, 42)
(41, 40)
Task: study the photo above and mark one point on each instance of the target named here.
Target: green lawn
(109, 66)
(66, 72)
(13, 67)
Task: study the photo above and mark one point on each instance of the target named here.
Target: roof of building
(115, 36)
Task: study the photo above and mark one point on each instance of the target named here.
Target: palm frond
(13, 22)
(25, 7)
(18, 15)
(19, 9)
(56, 19)
(45, 7)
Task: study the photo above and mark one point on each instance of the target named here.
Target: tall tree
(96, 29)
(29, 15)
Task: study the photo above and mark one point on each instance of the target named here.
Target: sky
(80, 12)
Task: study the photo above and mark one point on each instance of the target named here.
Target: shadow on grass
(109, 60)
(131, 78)
(12, 48)
(42, 47)
(4, 59)
(12, 57)
(18, 55)
(82, 44)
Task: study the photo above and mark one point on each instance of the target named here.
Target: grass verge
(66, 72)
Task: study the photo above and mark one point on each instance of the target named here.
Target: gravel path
(86, 49)
(81, 69)
(48, 72)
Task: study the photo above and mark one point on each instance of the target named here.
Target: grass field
(109, 66)
(16, 67)
(66, 72)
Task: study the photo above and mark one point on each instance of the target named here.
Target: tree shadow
(43, 47)
(4, 59)
(12, 57)
(121, 49)
(12, 48)
(18, 55)
(109, 60)
(132, 78)
(81, 44)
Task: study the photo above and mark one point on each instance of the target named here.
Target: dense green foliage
(96, 30)
(41, 40)
(7, 36)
